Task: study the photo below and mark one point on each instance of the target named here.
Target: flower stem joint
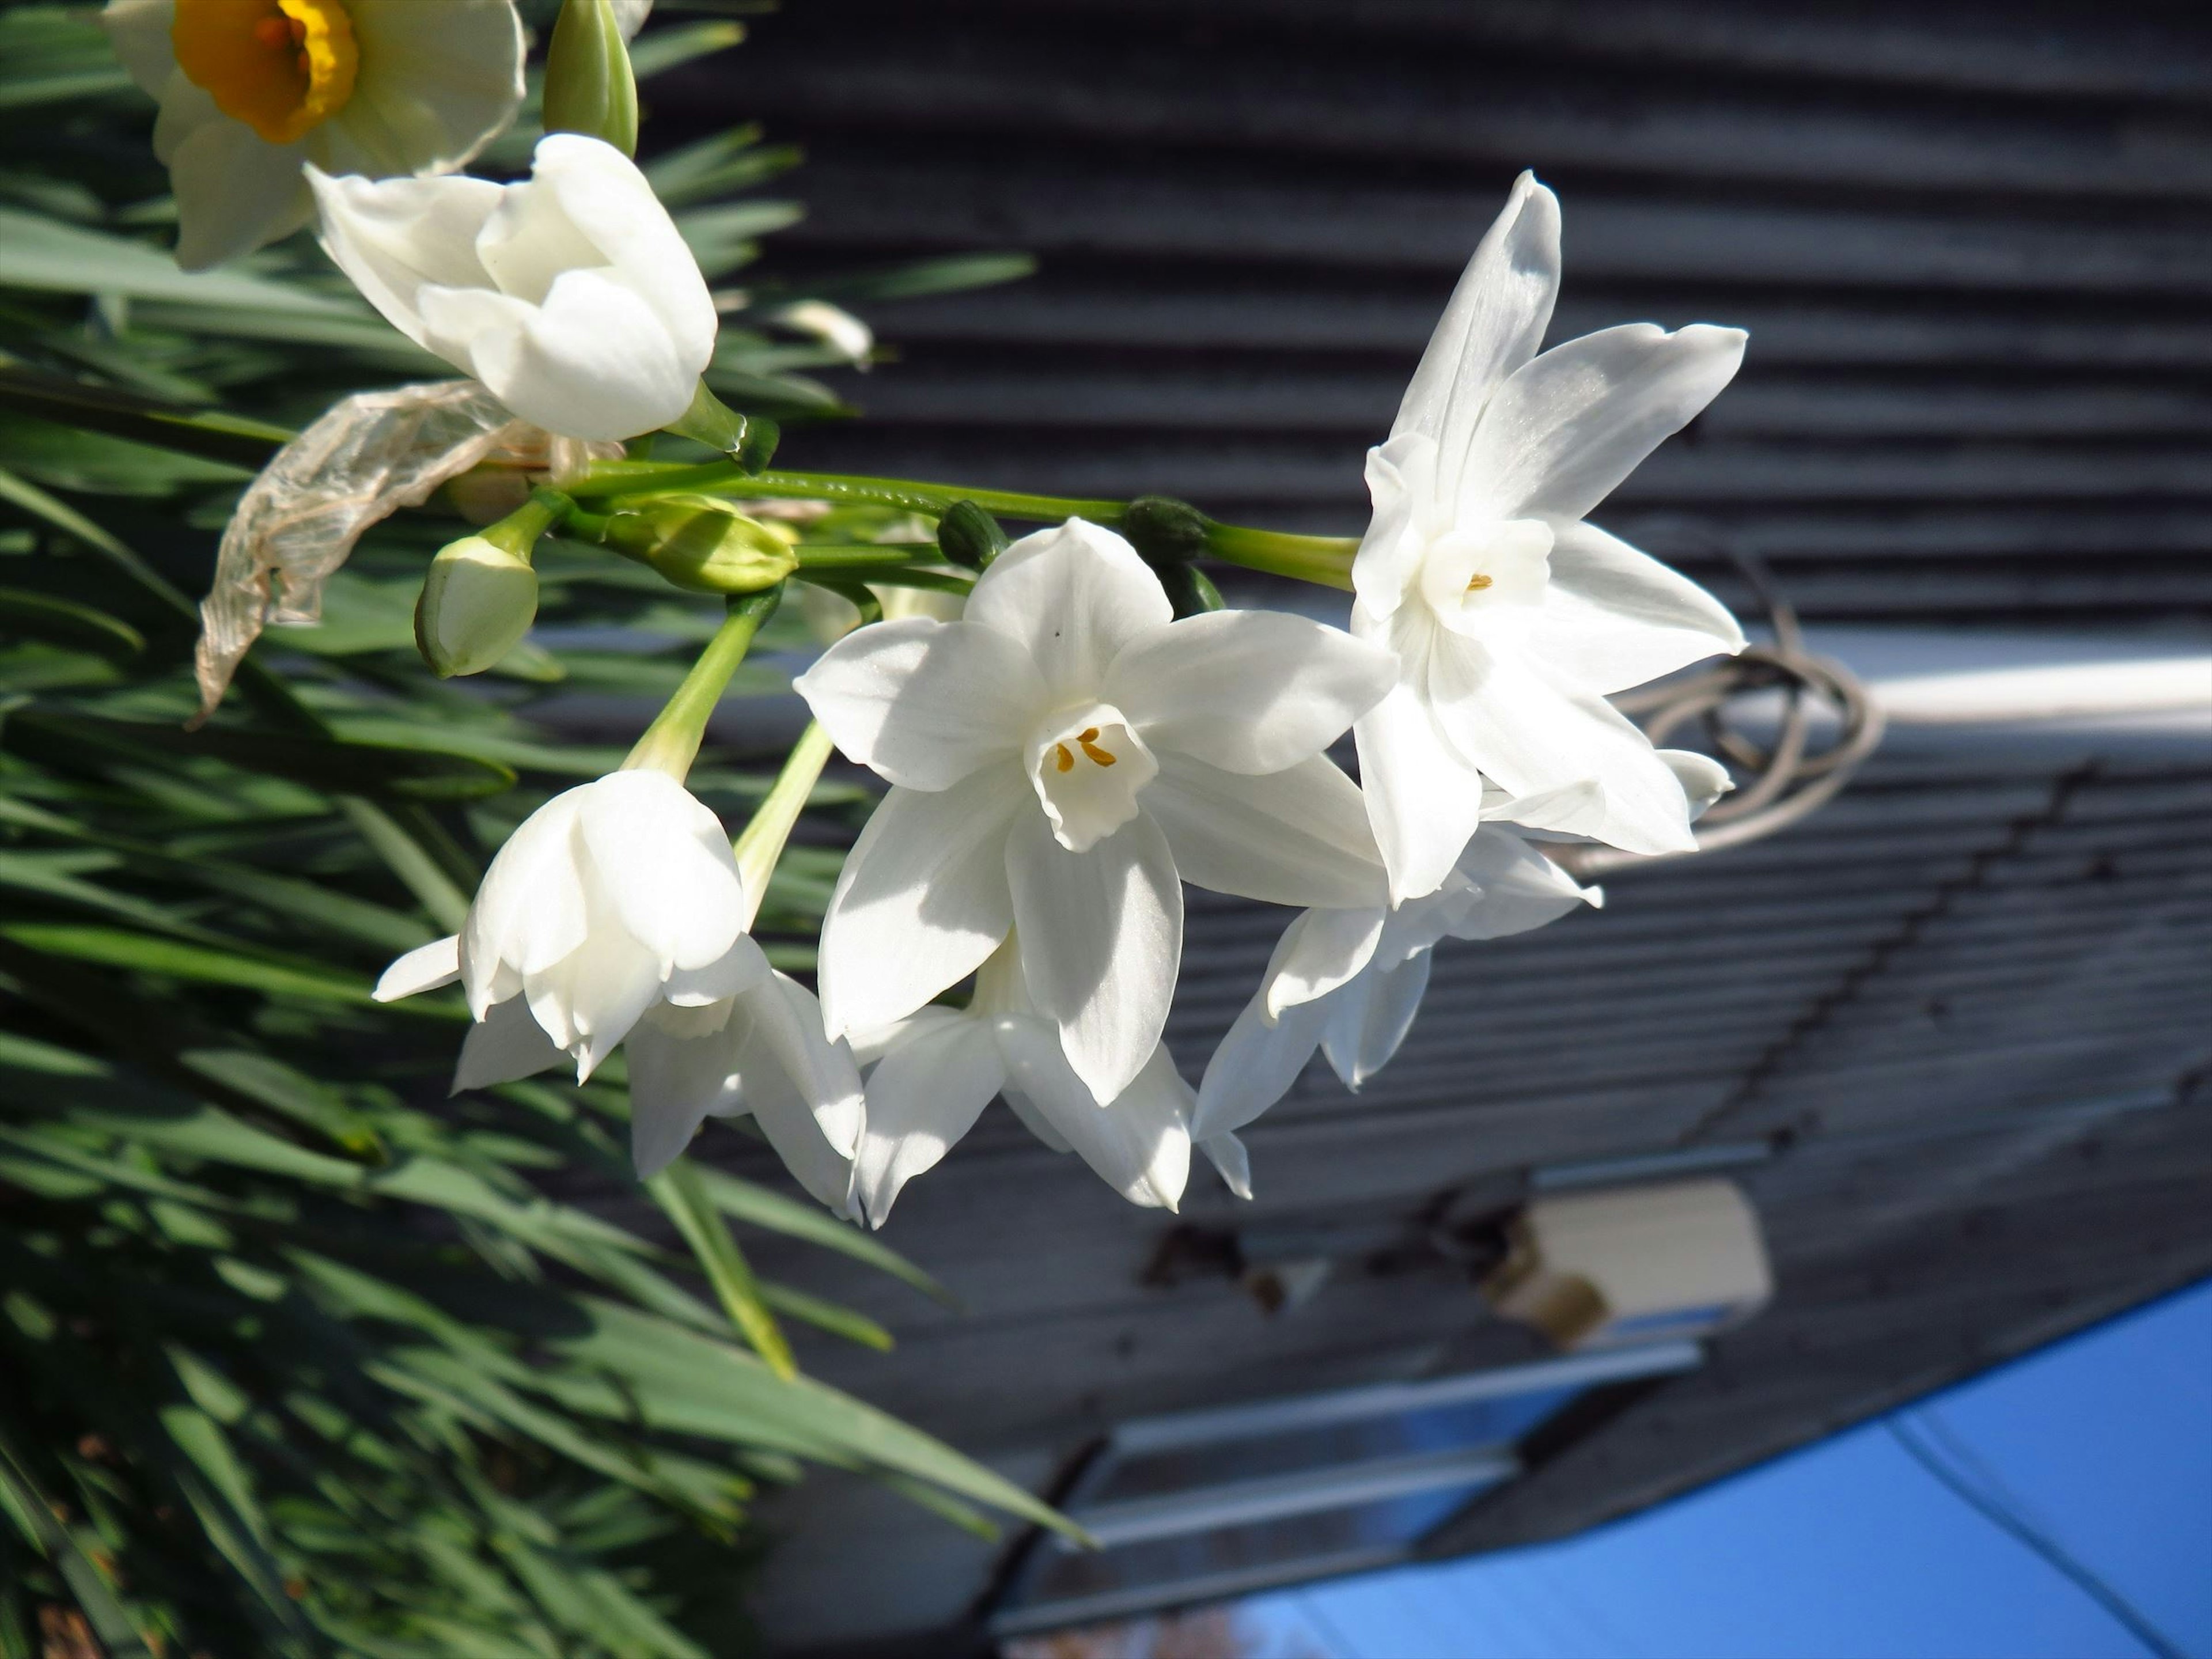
(701, 543)
(1170, 535)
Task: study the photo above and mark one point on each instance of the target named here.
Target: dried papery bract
(371, 455)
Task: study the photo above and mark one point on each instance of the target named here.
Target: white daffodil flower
(571, 295)
(1062, 759)
(616, 913)
(936, 1070)
(1512, 618)
(251, 89)
(1349, 982)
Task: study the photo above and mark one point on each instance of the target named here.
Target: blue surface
(1850, 1549)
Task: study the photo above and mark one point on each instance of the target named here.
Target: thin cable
(2054, 1554)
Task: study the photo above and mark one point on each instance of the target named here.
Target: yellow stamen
(283, 67)
(1100, 757)
(1061, 758)
(1476, 584)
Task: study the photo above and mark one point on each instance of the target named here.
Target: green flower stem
(1323, 559)
(761, 843)
(863, 556)
(518, 532)
(671, 742)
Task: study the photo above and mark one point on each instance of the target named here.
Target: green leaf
(658, 51)
(679, 1192)
(242, 444)
(330, 763)
(95, 464)
(62, 622)
(114, 947)
(37, 252)
(760, 1207)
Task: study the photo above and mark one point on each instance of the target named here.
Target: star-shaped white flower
(1511, 617)
(1064, 759)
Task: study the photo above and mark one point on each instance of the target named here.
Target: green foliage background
(297, 1356)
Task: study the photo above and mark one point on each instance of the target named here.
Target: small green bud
(748, 440)
(968, 536)
(701, 543)
(589, 86)
(1165, 530)
(1190, 590)
(477, 602)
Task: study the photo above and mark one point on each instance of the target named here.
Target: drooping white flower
(615, 913)
(571, 295)
(1350, 982)
(1512, 618)
(251, 89)
(936, 1070)
(1061, 760)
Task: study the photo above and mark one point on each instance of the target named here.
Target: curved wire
(1787, 781)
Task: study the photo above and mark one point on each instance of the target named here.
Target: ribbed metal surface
(1973, 247)
(1962, 1014)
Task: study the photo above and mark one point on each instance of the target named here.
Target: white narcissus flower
(1512, 618)
(1349, 982)
(1062, 759)
(616, 913)
(571, 295)
(251, 89)
(935, 1071)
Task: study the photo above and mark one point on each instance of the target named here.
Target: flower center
(1465, 573)
(283, 67)
(1089, 769)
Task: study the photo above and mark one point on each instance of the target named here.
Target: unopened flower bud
(968, 536)
(1163, 531)
(702, 544)
(589, 86)
(477, 602)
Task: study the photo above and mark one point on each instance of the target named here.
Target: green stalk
(683, 1196)
(1326, 560)
(761, 844)
(672, 742)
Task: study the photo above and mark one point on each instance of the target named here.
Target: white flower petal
(435, 85)
(1139, 1144)
(676, 1082)
(1249, 691)
(1423, 799)
(1101, 937)
(1299, 836)
(1532, 734)
(1230, 1162)
(139, 32)
(425, 968)
(1074, 596)
(1520, 888)
(588, 1001)
(925, 703)
(663, 861)
(1368, 1021)
(1703, 779)
(927, 1093)
(1318, 952)
(739, 970)
(506, 1043)
(236, 191)
(592, 361)
(783, 1035)
(1569, 425)
(922, 899)
(395, 237)
(1257, 1063)
(1401, 483)
(1613, 616)
(529, 910)
(793, 1125)
(1492, 323)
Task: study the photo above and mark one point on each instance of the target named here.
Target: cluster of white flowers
(1063, 752)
